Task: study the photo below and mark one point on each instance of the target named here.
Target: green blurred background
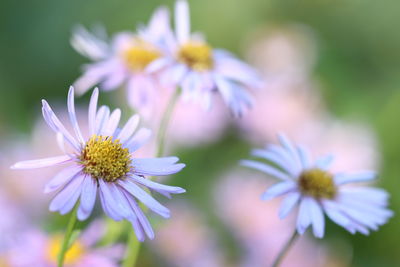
(358, 67)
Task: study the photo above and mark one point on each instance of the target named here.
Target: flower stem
(67, 238)
(164, 123)
(285, 249)
(132, 251)
(133, 246)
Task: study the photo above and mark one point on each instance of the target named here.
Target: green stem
(67, 238)
(285, 249)
(164, 123)
(133, 246)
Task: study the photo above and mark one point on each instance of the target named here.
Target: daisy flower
(123, 61)
(193, 65)
(104, 163)
(310, 185)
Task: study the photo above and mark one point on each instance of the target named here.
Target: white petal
(304, 218)
(102, 117)
(138, 140)
(345, 178)
(112, 123)
(182, 21)
(266, 169)
(88, 198)
(128, 129)
(40, 163)
(278, 190)
(288, 204)
(324, 162)
(317, 218)
(72, 115)
(92, 111)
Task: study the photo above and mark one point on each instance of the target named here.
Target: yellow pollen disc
(73, 254)
(104, 158)
(140, 54)
(196, 55)
(317, 183)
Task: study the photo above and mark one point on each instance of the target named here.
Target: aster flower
(35, 248)
(310, 185)
(123, 61)
(104, 163)
(197, 68)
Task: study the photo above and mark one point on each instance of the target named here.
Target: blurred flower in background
(200, 71)
(257, 228)
(36, 248)
(187, 241)
(123, 62)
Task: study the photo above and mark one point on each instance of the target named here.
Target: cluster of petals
(355, 208)
(224, 74)
(120, 198)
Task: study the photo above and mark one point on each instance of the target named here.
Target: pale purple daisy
(103, 162)
(123, 61)
(310, 185)
(200, 71)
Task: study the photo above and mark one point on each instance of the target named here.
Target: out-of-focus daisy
(193, 65)
(317, 191)
(104, 162)
(35, 248)
(259, 233)
(124, 60)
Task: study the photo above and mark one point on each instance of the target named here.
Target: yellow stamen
(140, 55)
(105, 158)
(73, 254)
(196, 55)
(317, 183)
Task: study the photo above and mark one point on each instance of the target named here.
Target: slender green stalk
(285, 249)
(133, 246)
(67, 238)
(164, 123)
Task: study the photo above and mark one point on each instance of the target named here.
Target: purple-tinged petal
(157, 166)
(287, 144)
(266, 169)
(317, 218)
(138, 140)
(92, 111)
(334, 213)
(278, 190)
(272, 157)
(288, 204)
(40, 163)
(116, 210)
(304, 156)
(303, 218)
(141, 217)
(345, 178)
(62, 178)
(57, 126)
(68, 196)
(128, 129)
(72, 115)
(157, 186)
(102, 117)
(112, 123)
(88, 44)
(157, 65)
(144, 197)
(88, 198)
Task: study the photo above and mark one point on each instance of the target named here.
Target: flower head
(318, 191)
(124, 60)
(200, 70)
(103, 162)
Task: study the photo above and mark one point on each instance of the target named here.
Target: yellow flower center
(196, 55)
(140, 54)
(105, 158)
(73, 254)
(317, 183)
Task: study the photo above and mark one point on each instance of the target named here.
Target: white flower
(317, 191)
(124, 60)
(200, 71)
